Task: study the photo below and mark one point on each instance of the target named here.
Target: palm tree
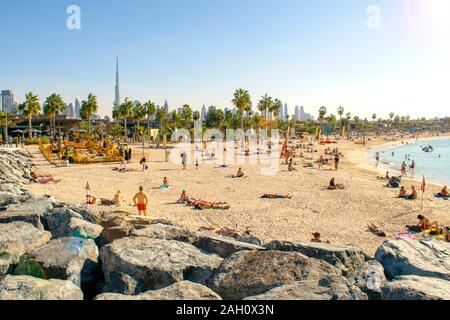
(187, 116)
(126, 111)
(322, 113)
(31, 107)
(89, 107)
(150, 110)
(275, 109)
(264, 105)
(53, 105)
(340, 112)
(243, 103)
(5, 121)
(161, 117)
(196, 115)
(138, 115)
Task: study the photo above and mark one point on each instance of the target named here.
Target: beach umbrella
(17, 131)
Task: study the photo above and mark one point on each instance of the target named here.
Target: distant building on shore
(8, 103)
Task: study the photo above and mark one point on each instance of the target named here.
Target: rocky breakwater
(54, 251)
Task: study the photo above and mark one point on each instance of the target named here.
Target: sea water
(435, 165)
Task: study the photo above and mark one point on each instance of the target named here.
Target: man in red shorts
(140, 200)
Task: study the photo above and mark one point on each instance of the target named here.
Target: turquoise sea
(435, 165)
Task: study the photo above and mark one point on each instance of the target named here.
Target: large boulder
(370, 278)
(57, 221)
(31, 217)
(165, 232)
(79, 227)
(109, 235)
(6, 262)
(426, 258)
(250, 273)
(327, 288)
(184, 290)
(345, 258)
(29, 288)
(38, 206)
(417, 288)
(72, 259)
(136, 265)
(18, 238)
(222, 246)
(88, 213)
(7, 198)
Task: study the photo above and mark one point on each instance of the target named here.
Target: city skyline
(305, 54)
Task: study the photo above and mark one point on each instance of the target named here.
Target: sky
(370, 56)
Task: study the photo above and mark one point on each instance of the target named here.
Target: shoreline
(365, 164)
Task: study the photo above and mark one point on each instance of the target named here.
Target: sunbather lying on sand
(43, 178)
(202, 204)
(114, 202)
(275, 196)
(317, 238)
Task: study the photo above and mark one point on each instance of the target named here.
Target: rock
(77, 227)
(57, 221)
(222, 246)
(6, 262)
(38, 206)
(88, 213)
(7, 198)
(345, 258)
(112, 234)
(29, 288)
(417, 288)
(327, 288)
(250, 273)
(72, 259)
(249, 239)
(184, 290)
(370, 279)
(18, 238)
(135, 265)
(426, 258)
(165, 232)
(31, 217)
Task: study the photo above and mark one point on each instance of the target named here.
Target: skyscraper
(286, 112)
(77, 108)
(117, 101)
(8, 104)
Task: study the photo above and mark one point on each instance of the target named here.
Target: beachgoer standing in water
(141, 201)
(403, 169)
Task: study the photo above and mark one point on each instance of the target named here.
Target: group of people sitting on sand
(200, 204)
(433, 228)
(412, 196)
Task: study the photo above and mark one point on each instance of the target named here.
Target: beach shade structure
(17, 131)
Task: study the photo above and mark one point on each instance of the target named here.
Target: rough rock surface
(109, 235)
(31, 217)
(6, 261)
(370, 279)
(29, 288)
(18, 238)
(250, 273)
(85, 229)
(222, 246)
(417, 288)
(345, 258)
(136, 265)
(72, 259)
(38, 206)
(57, 221)
(426, 258)
(327, 288)
(184, 290)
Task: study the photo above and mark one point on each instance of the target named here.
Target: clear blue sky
(304, 52)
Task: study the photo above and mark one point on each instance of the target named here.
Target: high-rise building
(203, 114)
(166, 106)
(297, 113)
(286, 112)
(117, 100)
(305, 116)
(69, 111)
(8, 104)
(77, 108)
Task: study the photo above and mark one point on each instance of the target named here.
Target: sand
(340, 216)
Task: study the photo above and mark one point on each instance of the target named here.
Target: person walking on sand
(336, 162)
(184, 159)
(141, 201)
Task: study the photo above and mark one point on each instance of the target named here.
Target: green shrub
(44, 140)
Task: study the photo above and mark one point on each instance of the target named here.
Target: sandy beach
(340, 216)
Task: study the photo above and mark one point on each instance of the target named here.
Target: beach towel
(165, 188)
(438, 196)
(404, 235)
